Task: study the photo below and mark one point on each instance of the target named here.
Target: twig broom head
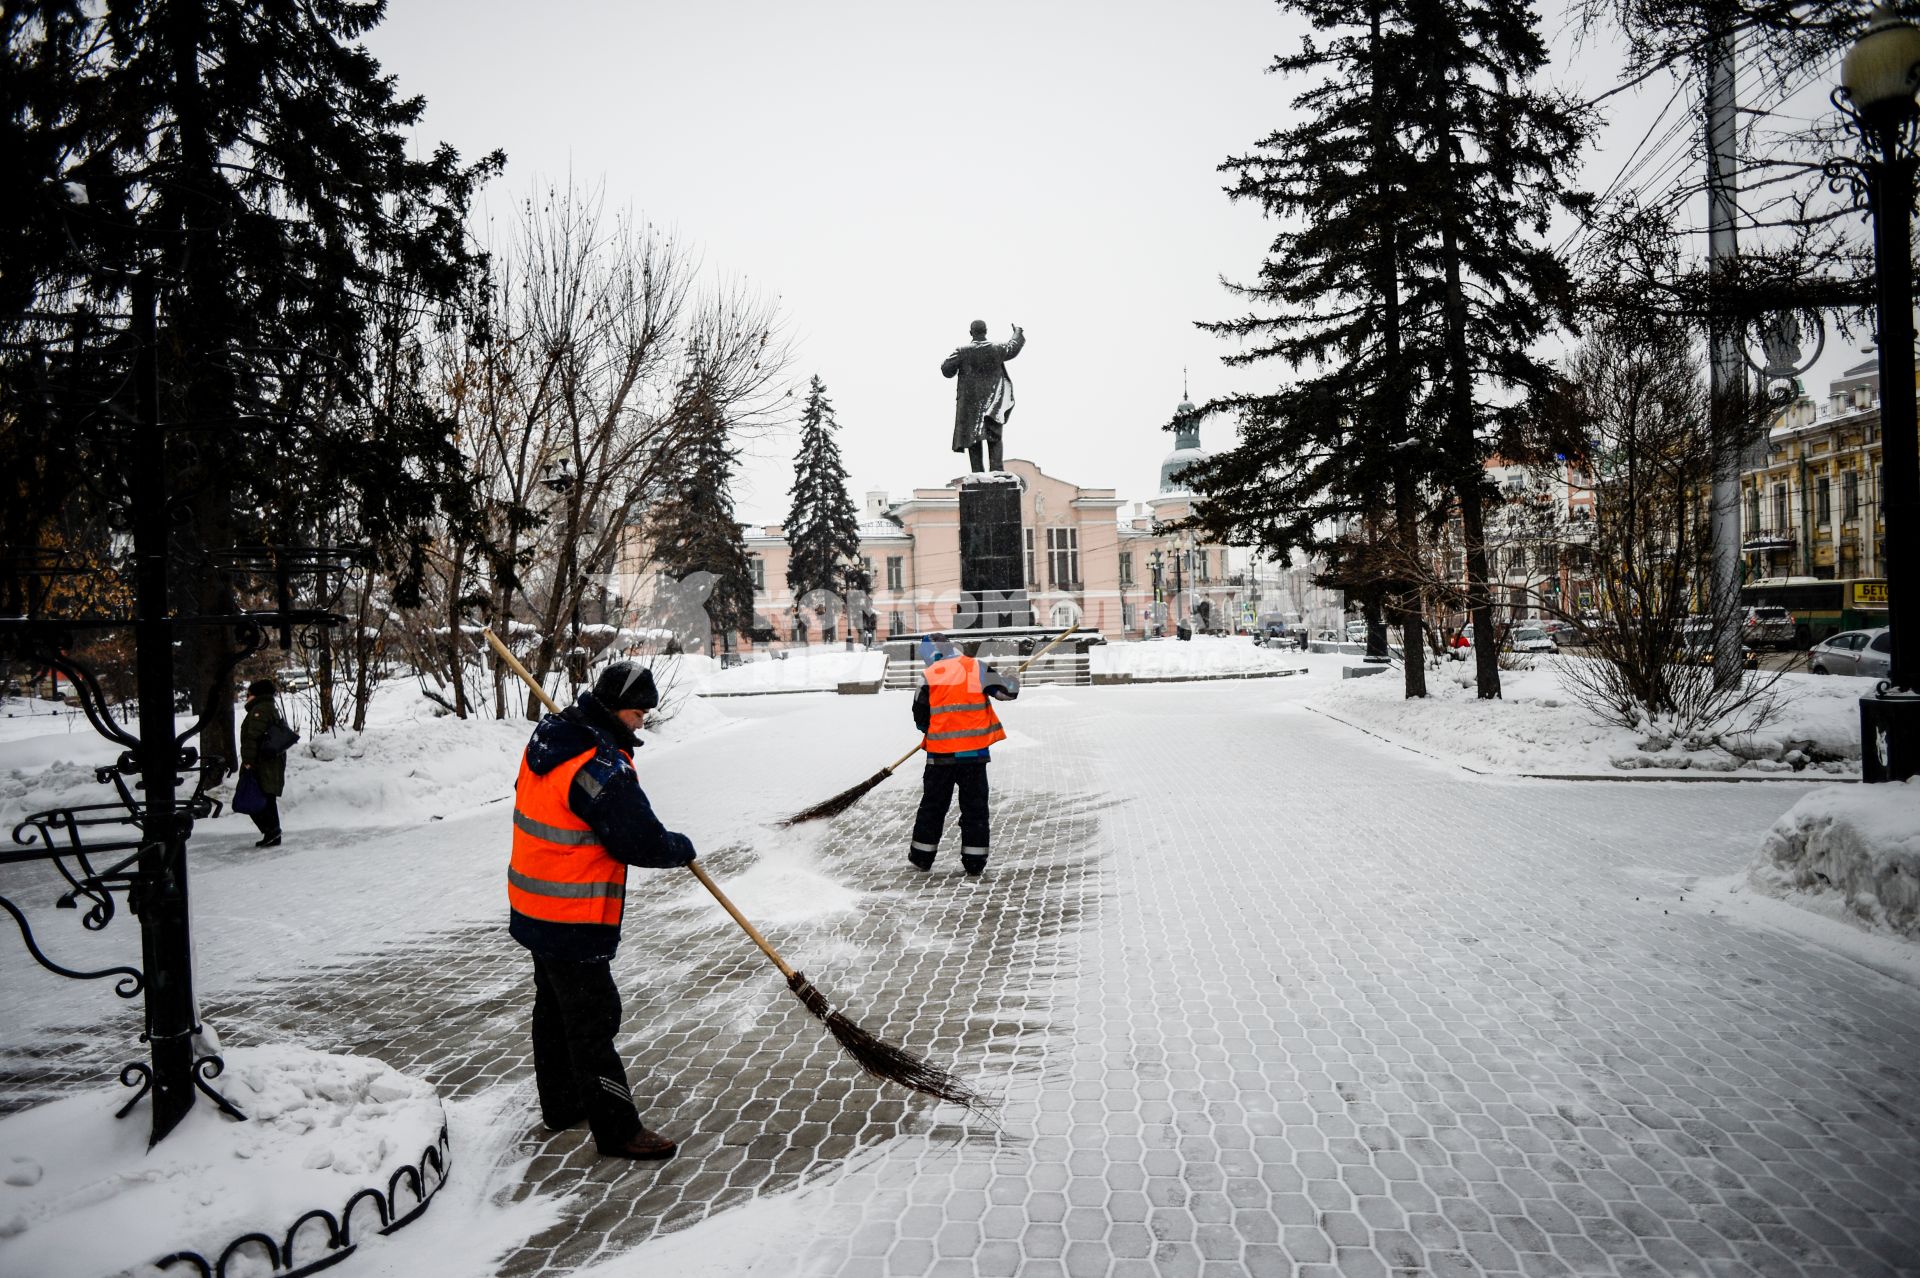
(882, 1059)
(838, 803)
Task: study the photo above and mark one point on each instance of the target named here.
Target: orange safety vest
(560, 870)
(959, 715)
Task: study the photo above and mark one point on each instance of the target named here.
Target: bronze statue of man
(984, 398)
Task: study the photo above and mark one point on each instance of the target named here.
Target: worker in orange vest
(579, 820)
(954, 708)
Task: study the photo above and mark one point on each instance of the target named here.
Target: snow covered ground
(817, 669)
(1538, 728)
(1205, 656)
(1257, 990)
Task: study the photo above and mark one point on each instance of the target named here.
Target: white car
(1854, 652)
(1528, 639)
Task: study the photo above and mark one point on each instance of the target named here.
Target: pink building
(1089, 560)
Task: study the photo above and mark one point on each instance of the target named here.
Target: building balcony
(1762, 539)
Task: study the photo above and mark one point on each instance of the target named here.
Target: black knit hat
(626, 685)
(261, 688)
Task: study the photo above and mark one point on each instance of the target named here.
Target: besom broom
(847, 798)
(874, 1055)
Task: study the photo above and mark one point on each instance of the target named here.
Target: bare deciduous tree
(569, 409)
(1637, 394)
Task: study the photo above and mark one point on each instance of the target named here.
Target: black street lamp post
(1157, 592)
(1877, 83)
(1179, 589)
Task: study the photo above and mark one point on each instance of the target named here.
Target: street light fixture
(1877, 83)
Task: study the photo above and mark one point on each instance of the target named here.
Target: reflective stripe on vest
(960, 718)
(560, 871)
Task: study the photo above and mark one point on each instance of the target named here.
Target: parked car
(1854, 652)
(1356, 632)
(1696, 644)
(1530, 639)
(1768, 626)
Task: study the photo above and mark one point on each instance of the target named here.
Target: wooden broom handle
(698, 873)
(1044, 651)
(514, 663)
(741, 919)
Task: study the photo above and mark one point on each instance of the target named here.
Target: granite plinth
(992, 555)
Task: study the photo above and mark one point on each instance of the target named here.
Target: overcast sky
(892, 170)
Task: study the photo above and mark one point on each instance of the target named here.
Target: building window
(1200, 575)
(1753, 510)
(1780, 524)
(1126, 612)
(866, 571)
(1063, 558)
(1850, 495)
(1033, 576)
(896, 565)
(759, 568)
(1823, 500)
(1126, 573)
(1223, 564)
(895, 626)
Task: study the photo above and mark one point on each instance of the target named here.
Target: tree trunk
(1460, 418)
(1391, 401)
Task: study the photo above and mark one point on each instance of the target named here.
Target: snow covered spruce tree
(253, 162)
(1335, 461)
(693, 526)
(1407, 287)
(1493, 155)
(823, 527)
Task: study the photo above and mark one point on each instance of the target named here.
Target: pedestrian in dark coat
(269, 767)
(580, 819)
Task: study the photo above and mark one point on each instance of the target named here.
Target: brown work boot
(642, 1144)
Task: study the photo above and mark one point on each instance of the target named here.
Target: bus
(1822, 608)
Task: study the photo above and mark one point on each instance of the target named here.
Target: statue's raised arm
(984, 398)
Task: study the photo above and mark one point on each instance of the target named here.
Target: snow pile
(1538, 727)
(413, 763)
(47, 760)
(81, 1193)
(1203, 657)
(786, 885)
(397, 773)
(1849, 851)
(803, 670)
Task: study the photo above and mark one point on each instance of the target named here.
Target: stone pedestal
(993, 592)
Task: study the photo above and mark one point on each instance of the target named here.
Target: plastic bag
(248, 797)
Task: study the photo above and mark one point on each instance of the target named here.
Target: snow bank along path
(81, 1194)
(1853, 850)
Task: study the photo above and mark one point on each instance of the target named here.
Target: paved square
(1261, 996)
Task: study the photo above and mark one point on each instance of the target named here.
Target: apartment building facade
(1811, 507)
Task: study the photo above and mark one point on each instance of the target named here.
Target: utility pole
(1728, 372)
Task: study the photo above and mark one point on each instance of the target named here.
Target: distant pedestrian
(953, 707)
(265, 739)
(580, 819)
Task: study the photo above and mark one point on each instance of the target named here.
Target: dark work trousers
(969, 776)
(576, 1013)
(268, 818)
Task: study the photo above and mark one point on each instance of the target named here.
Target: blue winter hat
(935, 647)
